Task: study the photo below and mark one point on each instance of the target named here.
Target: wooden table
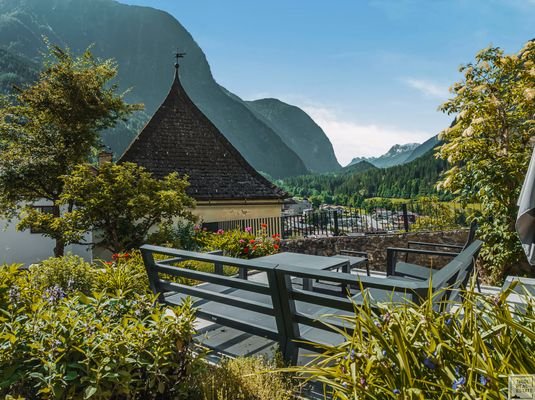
(346, 263)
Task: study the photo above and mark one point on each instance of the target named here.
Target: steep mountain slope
(142, 40)
(424, 148)
(299, 132)
(397, 155)
(15, 70)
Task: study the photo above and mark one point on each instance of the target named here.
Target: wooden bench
(279, 309)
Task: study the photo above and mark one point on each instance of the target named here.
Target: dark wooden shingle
(180, 138)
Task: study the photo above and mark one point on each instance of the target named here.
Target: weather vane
(177, 56)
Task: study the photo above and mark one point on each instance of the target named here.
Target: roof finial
(177, 56)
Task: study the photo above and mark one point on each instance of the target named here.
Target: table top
(310, 261)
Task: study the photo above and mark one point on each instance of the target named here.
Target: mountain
(397, 155)
(299, 132)
(142, 41)
(424, 148)
(352, 187)
(358, 167)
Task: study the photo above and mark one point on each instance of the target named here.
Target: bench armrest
(353, 253)
(427, 244)
(391, 253)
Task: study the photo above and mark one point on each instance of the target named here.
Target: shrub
(180, 236)
(408, 351)
(238, 243)
(101, 348)
(251, 378)
(126, 275)
(68, 273)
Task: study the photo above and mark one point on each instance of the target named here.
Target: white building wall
(23, 247)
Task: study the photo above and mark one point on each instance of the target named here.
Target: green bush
(126, 275)
(414, 352)
(180, 236)
(250, 378)
(69, 274)
(238, 243)
(60, 345)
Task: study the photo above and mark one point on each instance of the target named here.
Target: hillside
(299, 132)
(142, 41)
(416, 178)
(424, 148)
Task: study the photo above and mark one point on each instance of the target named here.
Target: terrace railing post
(277, 308)
(152, 274)
(405, 217)
(291, 333)
(336, 231)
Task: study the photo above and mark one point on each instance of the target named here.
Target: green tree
(48, 128)
(122, 202)
(487, 146)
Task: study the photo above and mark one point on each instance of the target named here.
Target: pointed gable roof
(180, 138)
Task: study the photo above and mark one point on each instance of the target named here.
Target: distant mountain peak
(396, 155)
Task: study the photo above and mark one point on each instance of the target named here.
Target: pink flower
(242, 241)
(220, 232)
(248, 229)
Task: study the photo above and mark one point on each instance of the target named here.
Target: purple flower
(248, 229)
(363, 381)
(54, 294)
(428, 362)
(458, 383)
(396, 391)
(484, 380)
(384, 353)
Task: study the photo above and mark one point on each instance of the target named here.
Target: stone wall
(375, 245)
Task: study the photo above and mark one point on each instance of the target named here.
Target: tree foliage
(487, 146)
(353, 186)
(51, 126)
(122, 202)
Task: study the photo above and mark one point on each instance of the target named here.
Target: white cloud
(428, 88)
(351, 139)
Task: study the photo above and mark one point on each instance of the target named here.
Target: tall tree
(51, 126)
(122, 203)
(487, 146)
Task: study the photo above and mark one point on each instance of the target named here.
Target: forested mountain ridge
(311, 144)
(142, 41)
(410, 180)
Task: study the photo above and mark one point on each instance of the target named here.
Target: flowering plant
(262, 244)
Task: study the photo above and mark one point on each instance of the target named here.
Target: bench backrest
(162, 260)
(294, 310)
(455, 275)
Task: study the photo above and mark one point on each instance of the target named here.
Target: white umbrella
(525, 221)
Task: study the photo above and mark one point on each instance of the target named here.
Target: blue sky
(370, 73)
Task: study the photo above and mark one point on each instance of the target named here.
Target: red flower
(126, 255)
(276, 246)
(246, 250)
(264, 226)
(251, 241)
(115, 256)
(108, 263)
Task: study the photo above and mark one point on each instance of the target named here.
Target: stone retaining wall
(375, 245)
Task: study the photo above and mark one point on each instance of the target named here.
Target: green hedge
(57, 342)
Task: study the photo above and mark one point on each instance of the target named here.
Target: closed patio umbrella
(525, 221)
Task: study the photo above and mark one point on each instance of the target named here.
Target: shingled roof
(180, 138)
